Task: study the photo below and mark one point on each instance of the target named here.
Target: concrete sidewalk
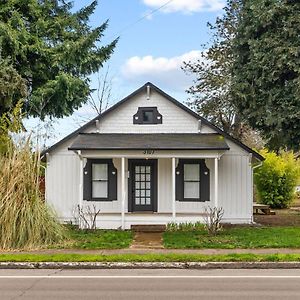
(160, 251)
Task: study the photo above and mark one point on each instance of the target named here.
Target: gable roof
(171, 99)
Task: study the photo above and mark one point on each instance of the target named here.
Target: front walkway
(147, 240)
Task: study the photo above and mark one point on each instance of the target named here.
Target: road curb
(150, 265)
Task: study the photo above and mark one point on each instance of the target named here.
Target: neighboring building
(150, 160)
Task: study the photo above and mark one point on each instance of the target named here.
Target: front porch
(157, 178)
(154, 202)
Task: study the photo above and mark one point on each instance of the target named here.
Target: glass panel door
(142, 186)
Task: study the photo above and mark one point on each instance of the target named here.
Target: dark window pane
(147, 116)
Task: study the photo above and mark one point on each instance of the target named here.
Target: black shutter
(87, 181)
(204, 182)
(112, 182)
(179, 181)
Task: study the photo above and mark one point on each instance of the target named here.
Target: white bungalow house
(150, 160)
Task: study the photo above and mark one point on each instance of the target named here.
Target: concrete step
(149, 228)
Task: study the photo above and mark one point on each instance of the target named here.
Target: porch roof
(157, 141)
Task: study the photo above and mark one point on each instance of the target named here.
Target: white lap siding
(175, 119)
(235, 192)
(62, 184)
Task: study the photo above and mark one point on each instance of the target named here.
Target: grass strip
(98, 239)
(149, 258)
(232, 238)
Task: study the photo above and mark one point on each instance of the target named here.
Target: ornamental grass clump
(26, 221)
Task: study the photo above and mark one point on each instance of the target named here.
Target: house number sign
(148, 151)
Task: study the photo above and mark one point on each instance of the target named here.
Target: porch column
(216, 181)
(123, 191)
(174, 189)
(80, 179)
(80, 193)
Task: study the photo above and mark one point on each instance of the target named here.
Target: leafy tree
(54, 50)
(211, 93)
(266, 69)
(211, 90)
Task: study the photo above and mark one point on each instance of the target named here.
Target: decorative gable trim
(156, 118)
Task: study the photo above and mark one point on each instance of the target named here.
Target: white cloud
(163, 71)
(186, 6)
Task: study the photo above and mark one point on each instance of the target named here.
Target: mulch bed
(283, 217)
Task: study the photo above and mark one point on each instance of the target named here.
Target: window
(192, 180)
(147, 115)
(191, 188)
(99, 180)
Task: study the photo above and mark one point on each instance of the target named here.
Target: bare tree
(100, 97)
(99, 100)
(87, 216)
(212, 219)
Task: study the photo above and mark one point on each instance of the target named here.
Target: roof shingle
(160, 141)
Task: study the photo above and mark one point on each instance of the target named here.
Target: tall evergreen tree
(54, 50)
(266, 69)
(12, 85)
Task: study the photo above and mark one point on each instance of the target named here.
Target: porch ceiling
(157, 141)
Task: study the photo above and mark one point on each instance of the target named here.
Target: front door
(142, 187)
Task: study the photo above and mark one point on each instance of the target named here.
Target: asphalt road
(150, 284)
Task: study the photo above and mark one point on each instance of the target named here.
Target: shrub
(276, 179)
(213, 219)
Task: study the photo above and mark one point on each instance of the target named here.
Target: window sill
(192, 200)
(100, 200)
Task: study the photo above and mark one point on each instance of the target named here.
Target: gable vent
(148, 92)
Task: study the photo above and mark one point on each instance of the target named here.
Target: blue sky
(151, 49)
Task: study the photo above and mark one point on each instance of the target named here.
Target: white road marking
(150, 276)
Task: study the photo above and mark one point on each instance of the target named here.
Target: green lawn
(98, 239)
(148, 258)
(237, 237)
